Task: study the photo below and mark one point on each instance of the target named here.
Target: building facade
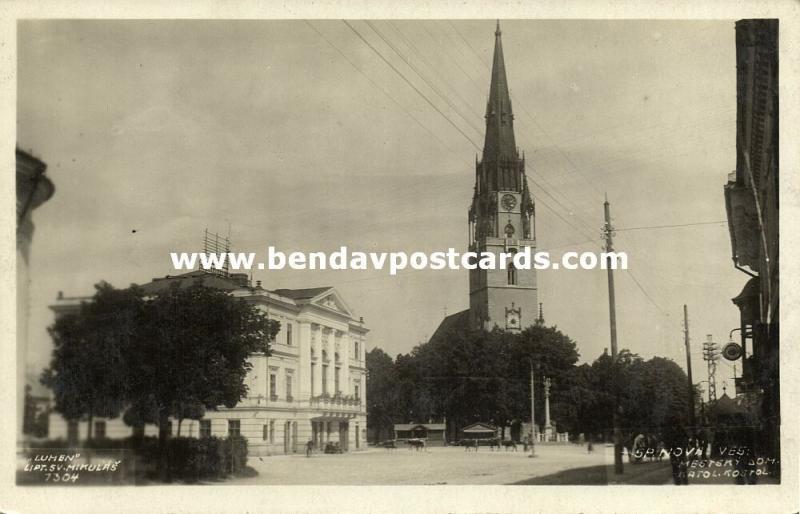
(432, 433)
(311, 387)
(751, 201)
(33, 189)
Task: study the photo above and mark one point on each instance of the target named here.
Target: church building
(501, 220)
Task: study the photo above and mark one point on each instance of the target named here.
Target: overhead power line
(441, 113)
(411, 84)
(673, 226)
(390, 97)
(416, 70)
(535, 122)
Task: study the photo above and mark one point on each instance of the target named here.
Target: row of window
(336, 381)
(273, 386)
(273, 383)
(235, 429)
(289, 341)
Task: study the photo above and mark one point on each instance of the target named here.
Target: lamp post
(533, 413)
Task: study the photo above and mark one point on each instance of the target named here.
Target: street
(434, 466)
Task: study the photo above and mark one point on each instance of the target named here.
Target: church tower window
(512, 274)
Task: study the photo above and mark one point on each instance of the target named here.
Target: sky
(301, 135)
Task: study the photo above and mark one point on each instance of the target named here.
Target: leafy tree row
(468, 375)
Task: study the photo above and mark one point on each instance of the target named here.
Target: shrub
(54, 444)
(234, 454)
(186, 458)
(210, 458)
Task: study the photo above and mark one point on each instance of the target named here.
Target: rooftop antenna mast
(213, 243)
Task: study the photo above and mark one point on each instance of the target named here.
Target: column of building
(315, 380)
(327, 359)
(316, 359)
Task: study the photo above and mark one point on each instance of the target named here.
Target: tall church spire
(499, 144)
(502, 216)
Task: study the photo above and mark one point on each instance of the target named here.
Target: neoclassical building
(312, 386)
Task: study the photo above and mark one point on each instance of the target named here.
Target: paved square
(435, 466)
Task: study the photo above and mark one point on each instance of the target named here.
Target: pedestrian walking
(309, 447)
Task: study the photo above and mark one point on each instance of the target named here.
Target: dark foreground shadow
(650, 473)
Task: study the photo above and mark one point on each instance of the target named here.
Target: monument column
(548, 428)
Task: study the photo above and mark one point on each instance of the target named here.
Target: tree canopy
(172, 354)
(465, 375)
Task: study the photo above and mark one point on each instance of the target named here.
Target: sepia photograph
(398, 252)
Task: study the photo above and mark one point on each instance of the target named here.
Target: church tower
(501, 218)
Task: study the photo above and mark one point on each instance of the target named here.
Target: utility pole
(688, 367)
(608, 231)
(711, 355)
(533, 416)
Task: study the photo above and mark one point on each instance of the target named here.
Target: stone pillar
(303, 342)
(317, 345)
(548, 428)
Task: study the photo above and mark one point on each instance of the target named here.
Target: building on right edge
(751, 202)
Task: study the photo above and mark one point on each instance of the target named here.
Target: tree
(553, 355)
(467, 375)
(382, 398)
(35, 420)
(174, 354)
(87, 373)
(651, 395)
(191, 353)
(460, 375)
(655, 396)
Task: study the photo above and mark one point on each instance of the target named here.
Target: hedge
(186, 458)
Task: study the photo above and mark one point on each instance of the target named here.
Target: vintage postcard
(487, 256)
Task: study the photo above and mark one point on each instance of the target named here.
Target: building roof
(230, 283)
(726, 406)
(450, 322)
(412, 426)
(479, 428)
(302, 294)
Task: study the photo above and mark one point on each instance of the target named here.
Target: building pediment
(330, 299)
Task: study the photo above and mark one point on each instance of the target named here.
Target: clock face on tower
(512, 319)
(508, 202)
